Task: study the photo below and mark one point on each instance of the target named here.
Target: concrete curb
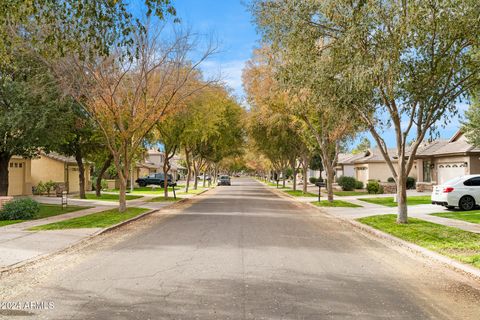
(388, 240)
(72, 246)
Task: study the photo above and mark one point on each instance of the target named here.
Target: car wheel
(466, 203)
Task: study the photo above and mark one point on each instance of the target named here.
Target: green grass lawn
(299, 193)
(274, 184)
(109, 197)
(95, 220)
(469, 216)
(388, 201)
(452, 242)
(7, 222)
(163, 199)
(335, 203)
(47, 210)
(148, 190)
(349, 193)
(190, 191)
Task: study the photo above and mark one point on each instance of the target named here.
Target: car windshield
(224, 177)
(452, 181)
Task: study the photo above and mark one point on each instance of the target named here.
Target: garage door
(362, 174)
(16, 178)
(73, 180)
(447, 171)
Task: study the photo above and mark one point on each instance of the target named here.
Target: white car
(462, 192)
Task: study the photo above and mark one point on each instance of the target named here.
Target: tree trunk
(195, 172)
(98, 184)
(305, 177)
(166, 167)
(4, 161)
(205, 176)
(294, 179)
(81, 173)
(123, 176)
(284, 177)
(189, 170)
(122, 199)
(402, 216)
(330, 175)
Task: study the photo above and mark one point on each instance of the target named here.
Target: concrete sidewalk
(17, 244)
(422, 211)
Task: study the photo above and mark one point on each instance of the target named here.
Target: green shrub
(20, 209)
(40, 188)
(390, 179)
(347, 183)
(374, 187)
(410, 183)
(313, 180)
(49, 186)
(289, 173)
(358, 184)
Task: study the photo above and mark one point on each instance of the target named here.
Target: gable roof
(458, 144)
(59, 157)
(349, 158)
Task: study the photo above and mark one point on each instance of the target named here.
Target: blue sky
(231, 24)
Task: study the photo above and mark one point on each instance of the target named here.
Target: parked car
(156, 179)
(224, 181)
(462, 192)
(207, 177)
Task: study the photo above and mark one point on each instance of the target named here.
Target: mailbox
(320, 184)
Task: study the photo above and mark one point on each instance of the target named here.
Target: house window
(11, 164)
(427, 171)
(20, 165)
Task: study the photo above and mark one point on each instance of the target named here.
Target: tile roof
(349, 158)
(60, 157)
(458, 144)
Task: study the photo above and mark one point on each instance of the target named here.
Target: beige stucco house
(372, 166)
(442, 160)
(19, 177)
(60, 169)
(369, 165)
(435, 162)
(346, 164)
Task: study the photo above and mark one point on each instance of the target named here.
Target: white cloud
(228, 71)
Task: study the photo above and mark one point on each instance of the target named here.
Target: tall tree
(291, 83)
(214, 129)
(81, 140)
(128, 96)
(400, 64)
(87, 28)
(31, 109)
(169, 132)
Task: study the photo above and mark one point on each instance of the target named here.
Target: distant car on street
(207, 177)
(462, 192)
(224, 181)
(156, 179)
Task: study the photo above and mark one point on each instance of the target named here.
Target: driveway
(241, 252)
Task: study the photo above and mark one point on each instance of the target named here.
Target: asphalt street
(240, 252)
